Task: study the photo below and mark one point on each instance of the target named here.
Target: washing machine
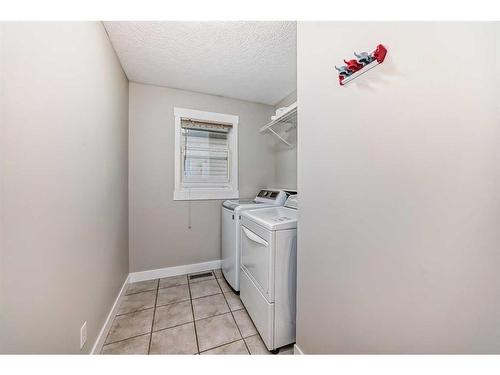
(268, 277)
(231, 217)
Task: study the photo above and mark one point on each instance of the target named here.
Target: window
(206, 155)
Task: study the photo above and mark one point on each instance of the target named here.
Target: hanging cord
(189, 209)
(189, 190)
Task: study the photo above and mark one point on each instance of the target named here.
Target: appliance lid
(242, 201)
(273, 218)
(233, 203)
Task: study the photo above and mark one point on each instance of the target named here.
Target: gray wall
(285, 158)
(159, 234)
(63, 152)
(399, 179)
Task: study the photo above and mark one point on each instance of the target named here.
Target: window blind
(205, 152)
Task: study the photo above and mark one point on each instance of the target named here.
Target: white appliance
(268, 276)
(231, 211)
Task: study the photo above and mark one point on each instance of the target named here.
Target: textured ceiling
(254, 61)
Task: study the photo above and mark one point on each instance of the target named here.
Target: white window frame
(230, 190)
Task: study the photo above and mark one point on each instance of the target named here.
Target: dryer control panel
(272, 196)
(292, 202)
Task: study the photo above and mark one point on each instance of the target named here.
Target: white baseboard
(297, 350)
(173, 271)
(99, 342)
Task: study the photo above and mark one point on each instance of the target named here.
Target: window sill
(205, 194)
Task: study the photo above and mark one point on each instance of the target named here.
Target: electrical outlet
(83, 335)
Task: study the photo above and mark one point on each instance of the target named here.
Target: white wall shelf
(287, 120)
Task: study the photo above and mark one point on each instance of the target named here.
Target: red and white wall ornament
(363, 62)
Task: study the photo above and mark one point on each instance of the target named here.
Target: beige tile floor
(176, 315)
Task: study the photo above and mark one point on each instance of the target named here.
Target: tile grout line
(165, 287)
(140, 309)
(232, 342)
(177, 325)
(192, 311)
(114, 318)
(243, 308)
(139, 291)
(208, 295)
(195, 320)
(128, 338)
(230, 312)
(154, 313)
(148, 308)
(142, 291)
(235, 322)
(163, 329)
(191, 299)
(135, 311)
(106, 339)
(173, 286)
(166, 304)
(220, 346)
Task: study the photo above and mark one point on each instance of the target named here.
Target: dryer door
(256, 259)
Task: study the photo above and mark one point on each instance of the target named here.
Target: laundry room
(249, 187)
(196, 153)
(198, 161)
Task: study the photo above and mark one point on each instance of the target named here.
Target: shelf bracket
(281, 138)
